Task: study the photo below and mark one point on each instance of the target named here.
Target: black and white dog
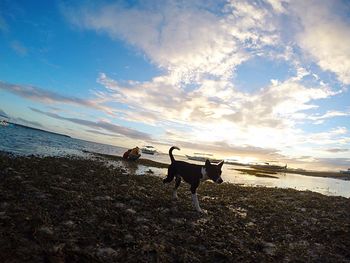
(192, 174)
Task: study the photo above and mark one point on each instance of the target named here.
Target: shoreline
(62, 209)
(250, 170)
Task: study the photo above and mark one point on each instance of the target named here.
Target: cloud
(277, 5)
(198, 46)
(214, 100)
(50, 97)
(103, 133)
(276, 105)
(100, 125)
(325, 34)
(228, 149)
(19, 48)
(337, 135)
(337, 150)
(186, 39)
(335, 163)
(215, 111)
(3, 114)
(329, 114)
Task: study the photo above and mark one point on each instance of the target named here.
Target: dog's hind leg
(170, 176)
(177, 184)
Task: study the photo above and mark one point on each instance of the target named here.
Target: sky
(264, 80)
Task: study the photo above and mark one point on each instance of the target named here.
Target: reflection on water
(20, 140)
(327, 186)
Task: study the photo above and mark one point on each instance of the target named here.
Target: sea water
(26, 141)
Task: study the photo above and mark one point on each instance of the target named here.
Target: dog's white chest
(204, 174)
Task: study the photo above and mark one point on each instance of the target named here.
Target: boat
(345, 171)
(269, 166)
(4, 123)
(148, 149)
(202, 157)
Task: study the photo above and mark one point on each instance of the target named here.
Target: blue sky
(249, 80)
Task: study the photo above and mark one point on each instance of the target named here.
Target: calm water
(25, 141)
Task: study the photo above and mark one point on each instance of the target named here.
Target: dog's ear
(207, 163)
(220, 164)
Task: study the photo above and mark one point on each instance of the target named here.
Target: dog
(192, 174)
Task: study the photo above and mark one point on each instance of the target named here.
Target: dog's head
(214, 171)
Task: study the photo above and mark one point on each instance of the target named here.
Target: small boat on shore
(148, 149)
(269, 166)
(202, 157)
(4, 123)
(345, 171)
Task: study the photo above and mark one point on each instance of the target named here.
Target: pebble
(269, 248)
(141, 220)
(128, 238)
(177, 220)
(106, 252)
(45, 230)
(103, 198)
(135, 202)
(58, 248)
(68, 223)
(130, 211)
(250, 224)
(119, 205)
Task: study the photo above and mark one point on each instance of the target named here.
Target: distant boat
(269, 166)
(4, 123)
(202, 157)
(148, 149)
(345, 171)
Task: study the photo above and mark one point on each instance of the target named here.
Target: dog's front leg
(195, 199)
(177, 184)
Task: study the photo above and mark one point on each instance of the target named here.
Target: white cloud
(336, 136)
(329, 114)
(277, 5)
(325, 35)
(199, 46)
(185, 39)
(50, 97)
(216, 111)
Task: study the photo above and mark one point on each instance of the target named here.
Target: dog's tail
(171, 153)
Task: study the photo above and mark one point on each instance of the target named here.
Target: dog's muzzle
(219, 181)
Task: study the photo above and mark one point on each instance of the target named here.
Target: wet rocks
(78, 210)
(106, 253)
(130, 211)
(269, 248)
(102, 198)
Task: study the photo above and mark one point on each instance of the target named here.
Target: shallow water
(24, 141)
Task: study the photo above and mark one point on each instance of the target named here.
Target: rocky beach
(70, 209)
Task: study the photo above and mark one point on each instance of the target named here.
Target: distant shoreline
(250, 170)
(37, 129)
(267, 172)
